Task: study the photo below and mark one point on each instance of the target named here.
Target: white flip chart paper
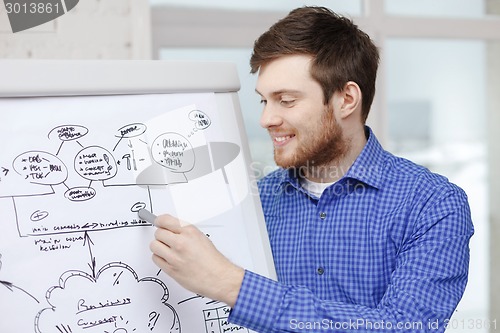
(74, 172)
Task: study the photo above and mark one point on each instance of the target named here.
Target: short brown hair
(341, 51)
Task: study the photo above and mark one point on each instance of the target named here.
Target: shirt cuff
(258, 304)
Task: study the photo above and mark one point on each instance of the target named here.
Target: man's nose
(270, 117)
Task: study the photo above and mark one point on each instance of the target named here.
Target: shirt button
(320, 270)
(322, 215)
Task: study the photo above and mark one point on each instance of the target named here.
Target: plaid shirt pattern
(384, 249)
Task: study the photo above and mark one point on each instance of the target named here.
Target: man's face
(304, 131)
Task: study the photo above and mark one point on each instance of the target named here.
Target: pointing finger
(168, 222)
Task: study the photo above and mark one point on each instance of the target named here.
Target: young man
(362, 240)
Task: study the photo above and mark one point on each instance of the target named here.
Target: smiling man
(363, 241)
(294, 107)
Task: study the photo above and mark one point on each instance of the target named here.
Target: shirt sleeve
(425, 287)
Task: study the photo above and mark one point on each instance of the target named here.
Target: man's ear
(351, 99)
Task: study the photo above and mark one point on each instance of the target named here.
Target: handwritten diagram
(120, 310)
(170, 159)
(216, 321)
(70, 190)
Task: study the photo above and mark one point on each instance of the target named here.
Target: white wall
(110, 29)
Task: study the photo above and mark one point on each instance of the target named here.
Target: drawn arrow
(11, 287)
(7, 285)
(88, 241)
(5, 171)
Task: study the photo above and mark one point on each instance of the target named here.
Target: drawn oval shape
(38, 215)
(174, 152)
(200, 118)
(39, 167)
(95, 163)
(131, 130)
(80, 193)
(69, 132)
(138, 206)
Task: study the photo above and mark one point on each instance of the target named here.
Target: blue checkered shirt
(384, 249)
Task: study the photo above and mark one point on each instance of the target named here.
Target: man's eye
(287, 102)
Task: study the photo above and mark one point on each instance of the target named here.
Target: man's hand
(190, 258)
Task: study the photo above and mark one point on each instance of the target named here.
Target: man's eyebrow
(281, 92)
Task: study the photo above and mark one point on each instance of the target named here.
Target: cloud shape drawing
(114, 301)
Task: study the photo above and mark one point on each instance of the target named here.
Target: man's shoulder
(418, 177)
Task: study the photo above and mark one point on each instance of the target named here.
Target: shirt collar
(369, 164)
(367, 167)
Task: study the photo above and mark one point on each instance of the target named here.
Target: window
(437, 8)
(352, 7)
(436, 97)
